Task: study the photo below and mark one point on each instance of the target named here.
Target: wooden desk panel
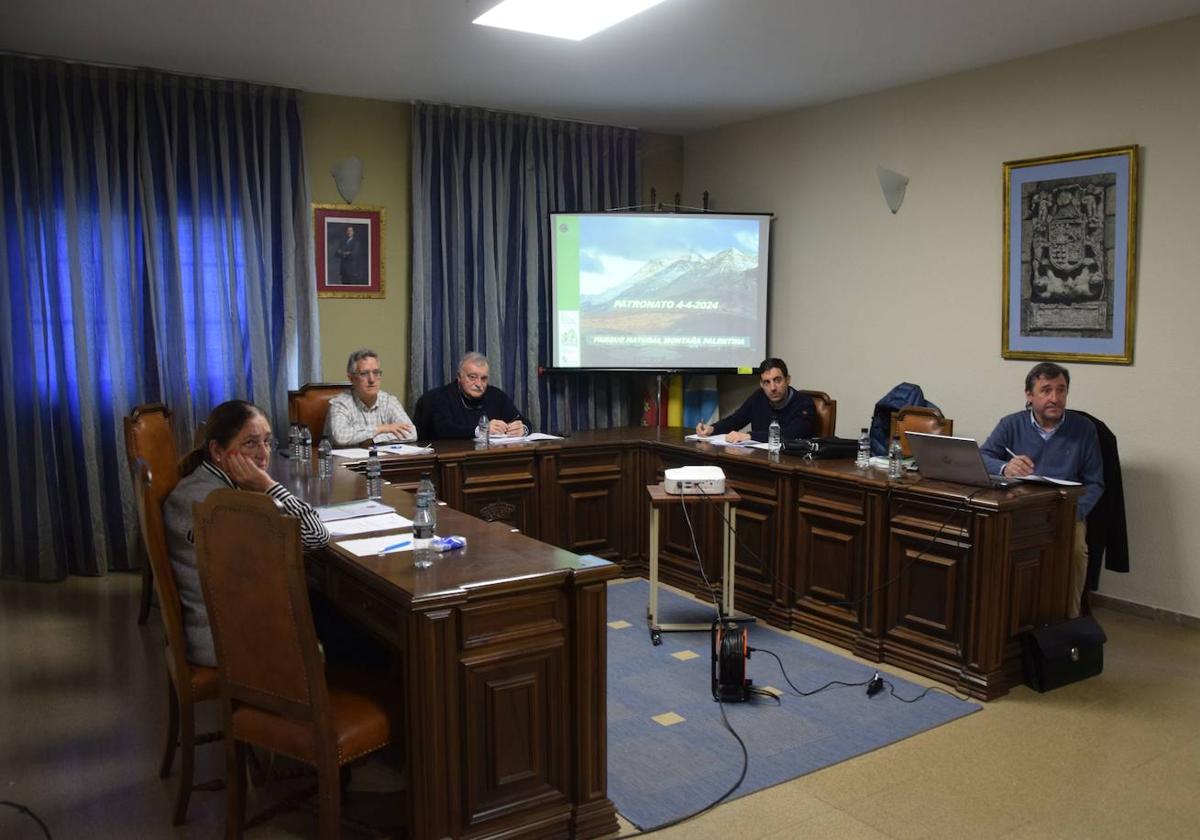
(839, 553)
(502, 653)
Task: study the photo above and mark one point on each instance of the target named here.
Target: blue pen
(395, 546)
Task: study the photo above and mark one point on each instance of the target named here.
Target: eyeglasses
(251, 444)
(367, 374)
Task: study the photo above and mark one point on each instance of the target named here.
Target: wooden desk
(939, 578)
(503, 657)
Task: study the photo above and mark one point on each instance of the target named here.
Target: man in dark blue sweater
(1046, 439)
(775, 399)
(456, 407)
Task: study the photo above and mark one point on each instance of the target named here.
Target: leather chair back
(914, 418)
(148, 436)
(422, 417)
(150, 491)
(825, 424)
(310, 405)
(249, 558)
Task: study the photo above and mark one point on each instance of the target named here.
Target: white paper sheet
(351, 453)
(370, 546)
(719, 440)
(349, 510)
(367, 524)
(542, 436)
(404, 449)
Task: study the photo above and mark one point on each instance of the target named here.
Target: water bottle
(774, 437)
(483, 433)
(374, 475)
(864, 449)
(426, 491)
(305, 443)
(895, 453)
(293, 441)
(325, 459)
(422, 534)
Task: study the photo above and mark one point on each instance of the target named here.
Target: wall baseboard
(1157, 614)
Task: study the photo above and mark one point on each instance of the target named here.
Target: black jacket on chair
(1107, 533)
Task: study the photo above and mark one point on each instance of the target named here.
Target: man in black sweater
(775, 399)
(455, 408)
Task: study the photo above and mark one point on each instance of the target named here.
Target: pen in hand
(1010, 452)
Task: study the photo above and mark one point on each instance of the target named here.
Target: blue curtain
(153, 248)
(484, 185)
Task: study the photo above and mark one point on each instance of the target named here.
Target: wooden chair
(914, 418)
(310, 405)
(826, 419)
(274, 690)
(148, 436)
(188, 684)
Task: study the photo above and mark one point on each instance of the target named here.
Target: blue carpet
(658, 773)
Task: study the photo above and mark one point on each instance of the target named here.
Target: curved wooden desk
(502, 651)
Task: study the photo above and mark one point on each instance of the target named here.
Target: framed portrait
(349, 250)
(1070, 230)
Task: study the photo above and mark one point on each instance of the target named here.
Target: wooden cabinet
(937, 578)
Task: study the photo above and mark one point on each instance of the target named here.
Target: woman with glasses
(235, 453)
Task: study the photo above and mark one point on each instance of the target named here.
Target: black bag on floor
(1063, 653)
(822, 447)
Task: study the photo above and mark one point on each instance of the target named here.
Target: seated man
(455, 408)
(775, 399)
(1046, 439)
(365, 413)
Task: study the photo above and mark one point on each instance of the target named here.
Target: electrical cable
(741, 778)
(724, 718)
(712, 593)
(27, 812)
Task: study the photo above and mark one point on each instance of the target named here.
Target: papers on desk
(367, 524)
(541, 436)
(352, 452)
(404, 449)
(719, 440)
(350, 510)
(371, 546)
(1045, 479)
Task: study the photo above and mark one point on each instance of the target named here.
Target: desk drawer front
(513, 619)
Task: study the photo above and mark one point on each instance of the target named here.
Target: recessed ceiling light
(570, 19)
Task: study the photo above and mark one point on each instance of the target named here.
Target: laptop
(957, 459)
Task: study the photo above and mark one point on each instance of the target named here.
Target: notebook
(956, 459)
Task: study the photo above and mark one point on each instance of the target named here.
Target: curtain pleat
(153, 247)
(484, 185)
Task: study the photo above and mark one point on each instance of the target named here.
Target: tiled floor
(1117, 756)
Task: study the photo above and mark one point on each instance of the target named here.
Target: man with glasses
(365, 413)
(456, 407)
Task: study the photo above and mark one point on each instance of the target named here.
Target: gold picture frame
(348, 242)
(1070, 237)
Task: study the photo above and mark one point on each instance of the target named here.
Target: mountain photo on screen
(663, 291)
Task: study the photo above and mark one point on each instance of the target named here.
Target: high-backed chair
(148, 436)
(188, 684)
(274, 689)
(915, 418)
(422, 418)
(826, 419)
(310, 405)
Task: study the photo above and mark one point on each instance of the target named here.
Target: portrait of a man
(347, 249)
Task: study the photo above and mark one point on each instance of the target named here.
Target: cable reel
(730, 650)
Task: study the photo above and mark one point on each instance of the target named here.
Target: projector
(706, 481)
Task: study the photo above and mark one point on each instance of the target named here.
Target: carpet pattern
(669, 753)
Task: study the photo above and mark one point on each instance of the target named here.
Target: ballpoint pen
(395, 546)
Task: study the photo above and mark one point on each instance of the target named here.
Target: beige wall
(661, 158)
(336, 127)
(863, 299)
